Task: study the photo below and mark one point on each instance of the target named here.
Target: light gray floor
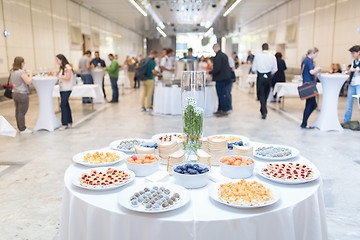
(32, 166)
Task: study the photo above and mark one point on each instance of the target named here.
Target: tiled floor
(31, 187)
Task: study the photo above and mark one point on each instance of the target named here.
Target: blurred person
(250, 57)
(221, 75)
(136, 66)
(113, 71)
(266, 66)
(202, 64)
(130, 63)
(190, 55)
(309, 76)
(84, 66)
(166, 64)
(280, 74)
(117, 57)
(184, 56)
(354, 82)
(21, 79)
(236, 59)
(228, 85)
(210, 62)
(97, 62)
(148, 83)
(66, 82)
(335, 68)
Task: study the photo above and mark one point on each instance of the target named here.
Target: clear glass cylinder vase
(193, 85)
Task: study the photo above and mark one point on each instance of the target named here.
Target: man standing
(265, 65)
(221, 75)
(190, 55)
(250, 57)
(354, 87)
(97, 62)
(166, 64)
(113, 71)
(84, 66)
(148, 84)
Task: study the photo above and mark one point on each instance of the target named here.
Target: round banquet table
(299, 214)
(44, 88)
(98, 76)
(167, 99)
(331, 85)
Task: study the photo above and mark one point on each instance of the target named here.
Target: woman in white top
(202, 64)
(66, 74)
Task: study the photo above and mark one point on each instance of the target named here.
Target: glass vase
(193, 110)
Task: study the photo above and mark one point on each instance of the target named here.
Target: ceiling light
(138, 7)
(232, 7)
(161, 32)
(210, 31)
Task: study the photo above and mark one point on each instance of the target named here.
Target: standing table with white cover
(299, 214)
(44, 87)
(98, 76)
(328, 119)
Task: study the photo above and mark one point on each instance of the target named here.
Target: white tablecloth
(167, 100)
(6, 129)
(87, 90)
(98, 76)
(300, 214)
(329, 119)
(44, 87)
(357, 97)
(290, 89)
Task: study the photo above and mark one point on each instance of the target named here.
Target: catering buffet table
(299, 214)
(44, 87)
(329, 119)
(167, 99)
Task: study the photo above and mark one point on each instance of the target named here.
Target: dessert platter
(154, 198)
(233, 140)
(143, 164)
(100, 179)
(275, 152)
(99, 158)
(126, 145)
(289, 173)
(245, 194)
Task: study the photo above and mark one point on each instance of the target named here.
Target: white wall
(40, 29)
(330, 25)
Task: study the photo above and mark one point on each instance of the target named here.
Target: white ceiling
(182, 20)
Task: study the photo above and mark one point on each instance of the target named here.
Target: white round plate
(79, 158)
(75, 180)
(245, 140)
(156, 137)
(124, 197)
(114, 145)
(316, 175)
(294, 153)
(214, 195)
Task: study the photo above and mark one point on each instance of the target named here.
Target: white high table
(329, 119)
(299, 214)
(98, 76)
(44, 87)
(85, 90)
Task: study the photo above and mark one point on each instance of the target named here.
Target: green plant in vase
(193, 124)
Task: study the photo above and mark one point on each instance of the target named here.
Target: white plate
(316, 175)
(75, 180)
(294, 153)
(245, 140)
(124, 197)
(156, 137)
(79, 158)
(114, 145)
(214, 195)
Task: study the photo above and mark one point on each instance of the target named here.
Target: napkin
(6, 129)
(217, 177)
(157, 176)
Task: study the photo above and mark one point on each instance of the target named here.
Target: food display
(236, 161)
(167, 137)
(166, 149)
(244, 193)
(203, 157)
(273, 152)
(103, 178)
(243, 150)
(191, 169)
(101, 157)
(155, 198)
(128, 145)
(232, 140)
(288, 172)
(144, 150)
(217, 149)
(148, 158)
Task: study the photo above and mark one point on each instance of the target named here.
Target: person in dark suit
(221, 75)
(280, 74)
